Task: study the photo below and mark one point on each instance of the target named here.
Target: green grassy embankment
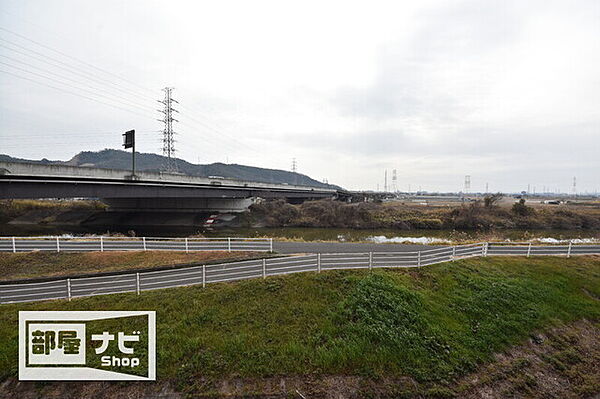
(429, 326)
(50, 264)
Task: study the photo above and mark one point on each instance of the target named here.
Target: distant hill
(117, 159)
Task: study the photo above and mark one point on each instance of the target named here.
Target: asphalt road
(329, 256)
(290, 247)
(286, 247)
(128, 244)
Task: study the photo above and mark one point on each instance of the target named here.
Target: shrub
(471, 217)
(276, 213)
(491, 200)
(521, 209)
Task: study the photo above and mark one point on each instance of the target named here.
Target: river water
(413, 236)
(317, 234)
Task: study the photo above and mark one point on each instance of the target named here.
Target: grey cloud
(552, 143)
(406, 81)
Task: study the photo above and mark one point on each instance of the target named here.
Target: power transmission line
(80, 61)
(86, 97)
(220, 132)
(72, 58)
(135, 104)
(70, 92)
(73, 69)
(70, 68)
(69, 79)
(85, 74)
(70, 85)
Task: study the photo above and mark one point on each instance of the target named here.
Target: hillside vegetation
(391, 333)
(117, 159)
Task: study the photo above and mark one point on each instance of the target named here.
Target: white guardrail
(79, 244)
(262, 268)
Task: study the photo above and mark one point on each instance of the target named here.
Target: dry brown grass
(48, 264)
(468, 216)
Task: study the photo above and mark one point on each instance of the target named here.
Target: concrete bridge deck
(145, 190)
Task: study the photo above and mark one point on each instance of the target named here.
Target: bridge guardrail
(67, 288)
(62, 244)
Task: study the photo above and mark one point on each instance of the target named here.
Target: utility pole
(168, 141)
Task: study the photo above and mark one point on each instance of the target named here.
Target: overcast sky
(507, 92)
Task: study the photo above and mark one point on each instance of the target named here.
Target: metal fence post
(529, 250)
(69, 288)
(569, 250)
(319, 263)
(370, 260)
(57, 244)
(137, 283)
(487, 245)
(14, 245)
(101, 244)
(419, 258)
(144, 241)
(186, 246)
(228, 244)
(264, 268)
(203, 276)
(453, 253)
(270, 244)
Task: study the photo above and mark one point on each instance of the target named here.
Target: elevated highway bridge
(146, 191)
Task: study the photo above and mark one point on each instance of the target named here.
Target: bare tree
(491, 200)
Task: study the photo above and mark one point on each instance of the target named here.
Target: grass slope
(432, 325)
(51, 264)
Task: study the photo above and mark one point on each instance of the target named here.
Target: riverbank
(313, 221)
(25, 265)
(475, 216)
